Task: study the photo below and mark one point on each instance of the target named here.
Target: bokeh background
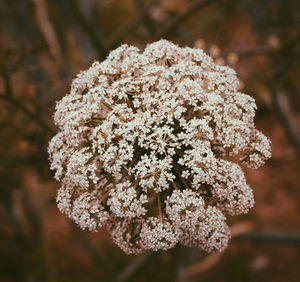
(45, 43)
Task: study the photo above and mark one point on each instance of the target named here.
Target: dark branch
(8, 96)
(269, 237)
(96, 40)
(181, 18)
(284, 119)
(147, 21)
(120, 33)
(33, 116)
(132, 267)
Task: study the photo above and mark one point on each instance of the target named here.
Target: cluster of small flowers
(148, 147)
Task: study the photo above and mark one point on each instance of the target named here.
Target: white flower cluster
(148, 147)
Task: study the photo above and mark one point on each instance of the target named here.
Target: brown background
(44, 44)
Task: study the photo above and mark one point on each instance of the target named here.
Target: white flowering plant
(150, 145)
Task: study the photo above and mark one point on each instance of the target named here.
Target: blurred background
(44, 44)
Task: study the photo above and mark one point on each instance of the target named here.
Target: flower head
(148, 145)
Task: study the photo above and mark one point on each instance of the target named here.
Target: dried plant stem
(136, 183)
(160, 213)
(103, 177)
(104, 196)
(175, 186)
(178, 172)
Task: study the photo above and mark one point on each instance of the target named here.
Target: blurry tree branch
(97, 41)
(47, 29)
(204, 265)
(147, 21)
(87, 245)
(284, 58)
(127, 27)
(132, 266)
(281, 106)
(269, 237)
(281, 62)
(243, 231)
(9, 97)
(33, 116)
(279, 97)
(212, 259)
(254, 236)
(180, 18)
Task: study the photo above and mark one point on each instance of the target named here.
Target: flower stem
(159, 208)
